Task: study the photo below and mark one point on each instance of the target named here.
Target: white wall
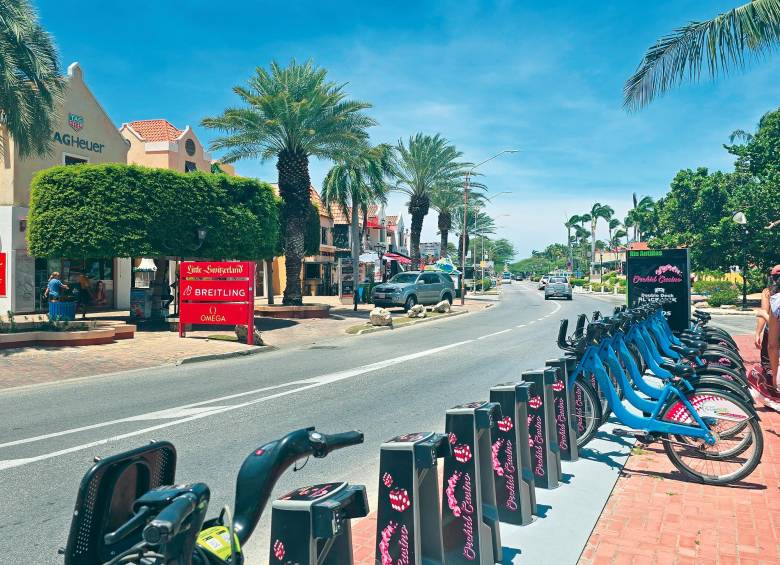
(122, 274)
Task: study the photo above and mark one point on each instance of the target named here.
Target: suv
(558, 286)
(414, 287)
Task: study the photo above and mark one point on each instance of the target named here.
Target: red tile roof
(156, 130)
(391, 220)
(638, 246)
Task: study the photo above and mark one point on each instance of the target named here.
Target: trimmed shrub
(486, 284)
(710, 287)
(577, 282)
(725, 296)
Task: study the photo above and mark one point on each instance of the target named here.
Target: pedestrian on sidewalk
(772, 339)
(54, 287)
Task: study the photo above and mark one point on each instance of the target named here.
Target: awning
(369, 257)
(373, 223)
(395, 257)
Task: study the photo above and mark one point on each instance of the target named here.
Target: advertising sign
(655, 274)
(3, 274)
(346, 279)
(217, 293)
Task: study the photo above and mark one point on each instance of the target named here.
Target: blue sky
(545, 78)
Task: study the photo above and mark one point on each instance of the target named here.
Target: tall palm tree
(30, 79)
(581, 236)
(445, 200)
(423, 165)
(569, 224)
(478, 223)
(597, 211)
(615, 240)
(637, 216)
(730, 39)
(290, 114)
(612, 225)
(357, 180)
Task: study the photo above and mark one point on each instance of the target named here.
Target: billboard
(654, 274)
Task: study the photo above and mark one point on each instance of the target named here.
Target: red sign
(218, 270)
(199, 313)
(217, 293)
(3, 276)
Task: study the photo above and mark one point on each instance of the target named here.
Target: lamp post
(465, 220)
(739, 218)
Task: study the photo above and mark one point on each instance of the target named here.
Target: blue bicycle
(709, 432)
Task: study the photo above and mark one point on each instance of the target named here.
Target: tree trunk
(418, 208)
(445, 223)
(355, 237)
(592, 245)
(568, 244)
(294, 186)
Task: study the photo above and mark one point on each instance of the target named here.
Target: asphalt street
(216, 413)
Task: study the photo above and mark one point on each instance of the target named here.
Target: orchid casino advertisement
(656, 274)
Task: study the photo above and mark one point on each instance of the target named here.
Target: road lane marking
(521, 326)
(495, 333)
(306, 384)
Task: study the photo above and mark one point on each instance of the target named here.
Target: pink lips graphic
(399, 499)
(505, 424)
(462, 453)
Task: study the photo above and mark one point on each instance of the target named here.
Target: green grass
(223, 337)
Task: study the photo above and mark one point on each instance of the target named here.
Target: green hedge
(129, 211)
(486, 284)
(711, 287)
(577, 282)
(725, 296)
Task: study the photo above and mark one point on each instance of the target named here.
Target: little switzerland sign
(217, 293)
(656, 274)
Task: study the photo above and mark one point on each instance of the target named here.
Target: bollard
(562, 406)
(408, 514)
(311, 525)
(541, 428)
(470, 524)
(515, 490)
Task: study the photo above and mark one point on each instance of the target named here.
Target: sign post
(3, 274)
(217, 293)
(656, 274)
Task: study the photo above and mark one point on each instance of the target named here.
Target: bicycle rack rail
(470, 524)
(311, 525)
(515, 490)
(562, 404)
(408, 514)
(541, 424)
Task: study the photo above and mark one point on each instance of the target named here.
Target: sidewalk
(36, 365)
(654, 516)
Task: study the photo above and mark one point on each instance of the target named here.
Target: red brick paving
(654, 516)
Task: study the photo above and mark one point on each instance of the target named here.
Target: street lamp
(739, 218)
(465, 220)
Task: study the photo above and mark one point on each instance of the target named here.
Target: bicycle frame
(590, 363)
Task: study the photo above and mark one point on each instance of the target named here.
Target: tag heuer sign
(76, 122)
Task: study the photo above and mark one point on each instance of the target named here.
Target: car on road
(414, 287)
(543, 282)
(558, 287)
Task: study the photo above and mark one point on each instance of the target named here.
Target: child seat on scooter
(106, 496)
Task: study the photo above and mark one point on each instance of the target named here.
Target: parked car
(558, 287)
(414, 287)
(543, 282)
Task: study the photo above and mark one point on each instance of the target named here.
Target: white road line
(539, 319)
(521, 326)
(305, 385)
(495, 333)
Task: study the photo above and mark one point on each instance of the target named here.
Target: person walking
(54, 288)
(764, 376)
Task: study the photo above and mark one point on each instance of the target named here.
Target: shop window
(341, 236)
(71, 160)
(312, 270)
(190, 167)
(324, 236)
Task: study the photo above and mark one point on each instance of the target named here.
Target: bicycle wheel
(733, 456)
(585, 412)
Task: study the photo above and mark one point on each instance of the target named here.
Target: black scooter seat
(685, 351)
(678, 370)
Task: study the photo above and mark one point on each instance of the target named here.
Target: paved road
(385, 383)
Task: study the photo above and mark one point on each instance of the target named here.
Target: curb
(228, 355)
(421, 320)
(727, 312)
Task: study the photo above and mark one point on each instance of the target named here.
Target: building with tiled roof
(158, 143)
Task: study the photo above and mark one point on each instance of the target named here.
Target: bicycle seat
(685, 351)
(702, 315)
(678, 370)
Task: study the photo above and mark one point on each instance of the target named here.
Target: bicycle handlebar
(263, 467)
(168, 522)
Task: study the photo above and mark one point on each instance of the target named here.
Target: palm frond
(729, 40)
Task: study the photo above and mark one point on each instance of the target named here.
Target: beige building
(83, 133)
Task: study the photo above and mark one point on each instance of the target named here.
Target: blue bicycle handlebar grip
(168, 522)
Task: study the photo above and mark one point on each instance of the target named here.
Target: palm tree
(357, 180)
(581, 235)
(613, 224)
(569, 224)
(597, 211)
(424, 165)
(30, 79)
(291, 113)
(730, 39)
(481, 225)
(446, 200)
(637, 216)
(617, 236)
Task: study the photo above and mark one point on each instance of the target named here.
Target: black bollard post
(562, 403)
(515, 490)
(470, 523)
(544, 448)
(408, 514)
(311, 525)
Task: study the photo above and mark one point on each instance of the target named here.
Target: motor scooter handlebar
(344, 439)
(168, 522)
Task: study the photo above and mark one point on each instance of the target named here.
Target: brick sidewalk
(655, 516)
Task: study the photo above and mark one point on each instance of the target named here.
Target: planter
(62, 311)
(305, 311)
